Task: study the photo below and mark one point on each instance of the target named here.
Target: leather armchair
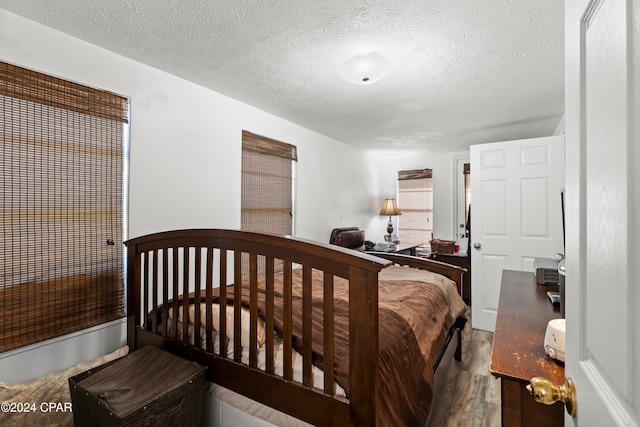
(348, 237)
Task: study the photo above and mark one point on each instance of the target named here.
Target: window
(267, 184)
(415, 200)
(61, 199)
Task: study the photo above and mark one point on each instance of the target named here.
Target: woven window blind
(61, 200)
(267, 184)
(415, 200)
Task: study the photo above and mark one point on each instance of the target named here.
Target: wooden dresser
(518, 353)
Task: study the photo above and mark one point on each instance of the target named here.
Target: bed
(322, 333)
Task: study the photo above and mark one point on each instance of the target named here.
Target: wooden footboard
(453, 272)
(163, 268)
(170, 273)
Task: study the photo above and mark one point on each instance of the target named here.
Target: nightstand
(407, 248)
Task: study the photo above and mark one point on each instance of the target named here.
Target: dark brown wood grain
(453, 272)
(460, 261)
(518, 352)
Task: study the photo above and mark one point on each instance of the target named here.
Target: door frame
(458, 202)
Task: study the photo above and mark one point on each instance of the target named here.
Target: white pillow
(245, 321)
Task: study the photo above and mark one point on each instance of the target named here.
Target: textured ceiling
(463, 71)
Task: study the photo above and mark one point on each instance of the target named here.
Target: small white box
(554, 339)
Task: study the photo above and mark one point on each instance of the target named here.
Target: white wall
(560, 128)
(185, 163)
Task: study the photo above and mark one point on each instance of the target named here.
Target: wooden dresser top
(518, 342)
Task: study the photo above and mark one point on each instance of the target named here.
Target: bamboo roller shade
(61, 206)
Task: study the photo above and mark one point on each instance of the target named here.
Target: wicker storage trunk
(442, 246)
(149, 387)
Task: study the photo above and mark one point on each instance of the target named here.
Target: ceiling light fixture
(366, 68)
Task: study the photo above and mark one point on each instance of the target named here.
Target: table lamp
(390, 208)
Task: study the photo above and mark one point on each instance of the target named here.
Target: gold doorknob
(543, 391)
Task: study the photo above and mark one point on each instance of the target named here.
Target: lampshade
(365, 69)
(390, 207)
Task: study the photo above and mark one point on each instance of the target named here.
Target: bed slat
(307, 379)
(165, 289)
(286, 323)
(269, 331)
(237, 278)
(176, 290)
(253, 310)
(198, 283)
(209, 300)
(145, 289)
(154, 290)
(328, 334)
(184, 299)
(223, 307)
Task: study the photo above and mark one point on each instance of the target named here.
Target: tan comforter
(416, 308)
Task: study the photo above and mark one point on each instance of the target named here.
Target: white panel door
(516, 214)
(603, 207)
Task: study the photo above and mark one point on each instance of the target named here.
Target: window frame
(60, 139)
(256, 151)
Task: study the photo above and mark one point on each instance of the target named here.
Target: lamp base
(387, 237)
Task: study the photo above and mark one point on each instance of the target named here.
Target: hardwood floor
(471, 396)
